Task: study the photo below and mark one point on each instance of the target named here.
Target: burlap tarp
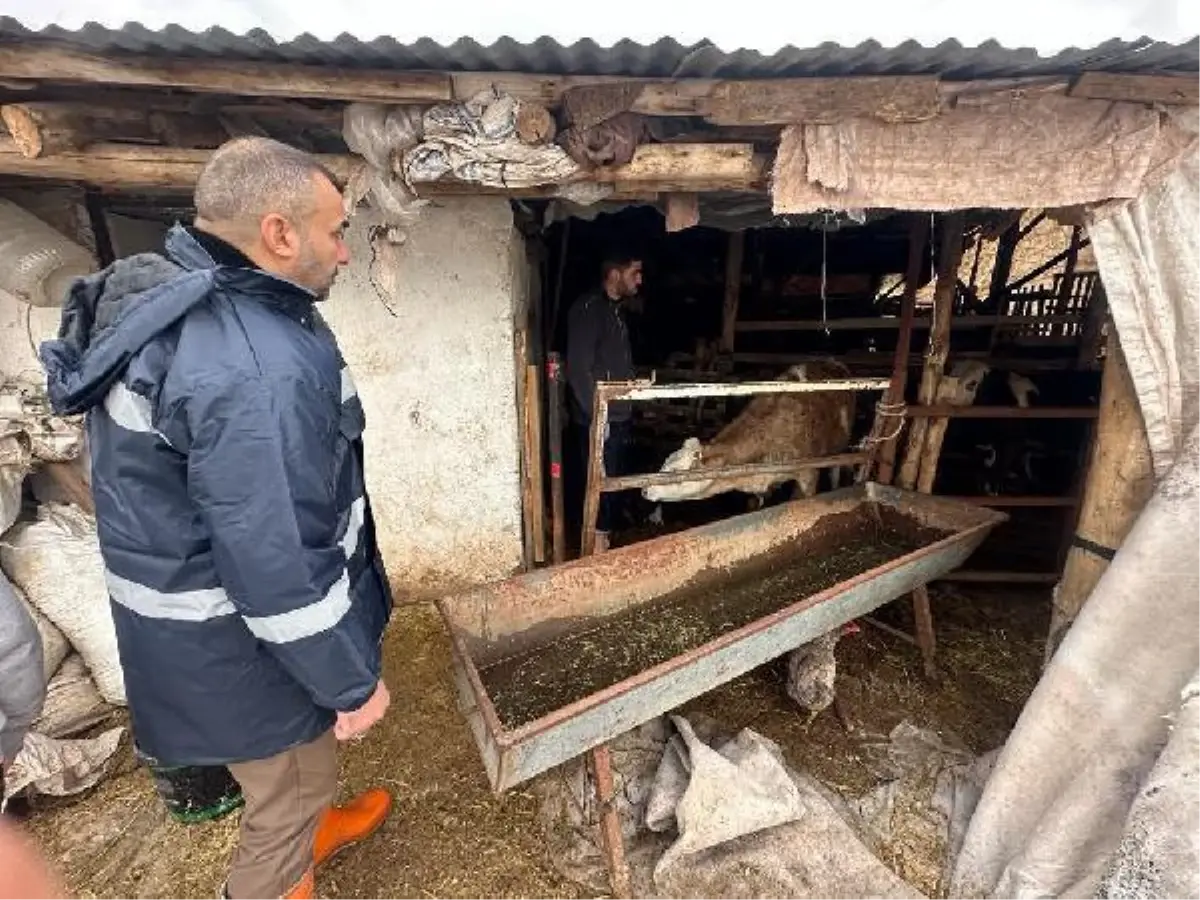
(1005, 153)
(1094, 792)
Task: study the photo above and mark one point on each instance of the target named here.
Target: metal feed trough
(533, 610)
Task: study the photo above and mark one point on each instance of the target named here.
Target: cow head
(968, 375)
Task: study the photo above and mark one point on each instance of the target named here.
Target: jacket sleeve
(261, 472)
(581, 354)
(22, 678)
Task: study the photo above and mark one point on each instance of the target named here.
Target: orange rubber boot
(305, 889)
(341, 826)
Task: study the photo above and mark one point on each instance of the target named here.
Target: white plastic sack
(56, 561)
(61, 768)
(55, 647)
(14, 465)
(72, 702)
(741, 789)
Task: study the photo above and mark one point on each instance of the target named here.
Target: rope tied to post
(883, 411)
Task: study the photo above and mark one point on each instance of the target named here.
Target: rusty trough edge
(503, 741)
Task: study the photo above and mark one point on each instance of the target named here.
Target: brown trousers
(285, 796)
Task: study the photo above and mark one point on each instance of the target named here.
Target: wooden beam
(112, 165)
(979, 576)
(949, 258)
(130, 166)
(950, 411)
(735, 249)
(1173, 89)
(44, 62)
(735, 165)
(786, 101)
(886, 323)
(1119, 482)
(45, 128)
(918, 234)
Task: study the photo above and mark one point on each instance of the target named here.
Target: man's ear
(279, 237)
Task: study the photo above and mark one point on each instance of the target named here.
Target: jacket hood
(109, 316)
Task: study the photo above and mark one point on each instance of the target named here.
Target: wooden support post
(950, 256)
(534, 470)
(610, 823)
(1119, 482)
(595, 473)
(558, 527)
(949, 259)
(918, 234)
(733, 288)
(520, 359)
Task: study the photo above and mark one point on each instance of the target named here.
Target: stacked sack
(50, 563)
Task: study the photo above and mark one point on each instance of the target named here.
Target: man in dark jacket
(598, 349)
(227, 467)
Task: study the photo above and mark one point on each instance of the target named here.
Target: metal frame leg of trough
(610, 823)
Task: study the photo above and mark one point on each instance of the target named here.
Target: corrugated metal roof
(664, 58)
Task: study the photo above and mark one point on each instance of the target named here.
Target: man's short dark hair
(618, 260)
(248, 177)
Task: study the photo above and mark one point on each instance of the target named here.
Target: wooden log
(1120, 479)
(918, 234)
(734, 253)
(535, 125)
(683, 211)
(732, 164)
(926, 636)
(129, 166)
(909, 98)
(113, 165)
(1170, 89)
(949, 260)
(42, 62)
(45, 128)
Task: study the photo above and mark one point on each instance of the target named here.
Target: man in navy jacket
(227, 467)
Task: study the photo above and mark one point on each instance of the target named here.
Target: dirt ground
(450, 837)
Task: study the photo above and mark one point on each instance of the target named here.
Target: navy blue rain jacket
(227, 468)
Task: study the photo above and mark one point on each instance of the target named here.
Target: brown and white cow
(773, 428)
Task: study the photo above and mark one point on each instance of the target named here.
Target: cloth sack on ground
(72, 702)
(61, 768)
(55, 560)
(1159, 855)
(822, 852)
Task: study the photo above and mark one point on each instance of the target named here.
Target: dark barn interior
(830, 287)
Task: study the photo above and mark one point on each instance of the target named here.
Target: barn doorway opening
(744, 296)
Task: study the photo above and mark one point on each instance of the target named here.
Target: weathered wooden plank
(42, 62)
(128, 166)
(45, 128)
(909, 98)
(680, 163)
(1173, 89)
